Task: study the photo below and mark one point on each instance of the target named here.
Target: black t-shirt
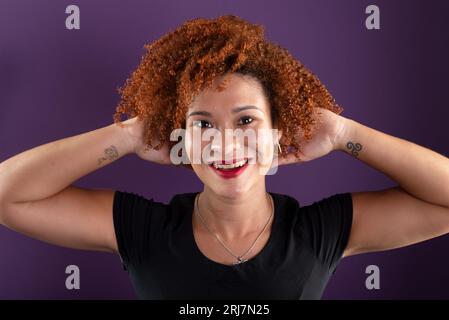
(158, 250)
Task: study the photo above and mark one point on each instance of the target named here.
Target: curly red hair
(183, 62)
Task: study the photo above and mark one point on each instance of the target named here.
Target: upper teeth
(230, 165)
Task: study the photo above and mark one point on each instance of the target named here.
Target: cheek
(191, 147)
(188, 145)
(265, 148)
(194, 147)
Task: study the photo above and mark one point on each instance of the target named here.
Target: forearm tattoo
(354, 148)
(110, 154)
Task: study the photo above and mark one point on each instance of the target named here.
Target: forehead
(240, 90)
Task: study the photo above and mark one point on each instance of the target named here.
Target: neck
(235, 217)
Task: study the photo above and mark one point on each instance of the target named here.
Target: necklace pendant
(240, 260)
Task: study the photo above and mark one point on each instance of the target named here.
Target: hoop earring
(279, 147)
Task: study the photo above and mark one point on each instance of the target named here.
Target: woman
(233, 239)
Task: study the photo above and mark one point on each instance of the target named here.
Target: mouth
(229, 170)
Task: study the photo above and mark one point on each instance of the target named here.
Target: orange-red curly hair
(181, 63)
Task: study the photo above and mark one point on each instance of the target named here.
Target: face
(229, 138)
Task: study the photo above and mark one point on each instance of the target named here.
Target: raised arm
(415, 210)
(37, 197)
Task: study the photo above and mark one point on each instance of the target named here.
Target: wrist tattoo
(110, 153)
(354, 148)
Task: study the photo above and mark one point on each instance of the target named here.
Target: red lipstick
(229, 173)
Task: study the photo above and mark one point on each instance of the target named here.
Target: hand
(326, 137)
(133, 132)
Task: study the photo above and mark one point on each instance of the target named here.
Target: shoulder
(334, 202)
(140, 222)
(327, 212)
(125, 201)
(285, 202)
(326, 225)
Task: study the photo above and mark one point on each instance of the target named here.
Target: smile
(229, 170)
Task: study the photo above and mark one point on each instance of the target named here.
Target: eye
(202, 124)
(245, 120)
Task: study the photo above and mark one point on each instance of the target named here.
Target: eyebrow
(235, 110)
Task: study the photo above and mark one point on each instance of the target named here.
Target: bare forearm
(420, 171)
(47, 169)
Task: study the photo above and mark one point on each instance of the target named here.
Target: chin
(230, 191)
(228, 187)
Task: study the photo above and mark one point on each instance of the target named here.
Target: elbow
(2, 209)
(3, 206)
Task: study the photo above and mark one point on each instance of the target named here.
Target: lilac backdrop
(56, 83)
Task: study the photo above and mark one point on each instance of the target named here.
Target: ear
(279, 136)
(277, 131)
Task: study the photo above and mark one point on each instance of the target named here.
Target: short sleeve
(132, 215)
(328, 225)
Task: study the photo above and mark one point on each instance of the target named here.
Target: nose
(215, 145)
(230, 145)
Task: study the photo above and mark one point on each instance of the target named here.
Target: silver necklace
(239, 258)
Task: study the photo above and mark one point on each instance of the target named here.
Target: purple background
(55, 83)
